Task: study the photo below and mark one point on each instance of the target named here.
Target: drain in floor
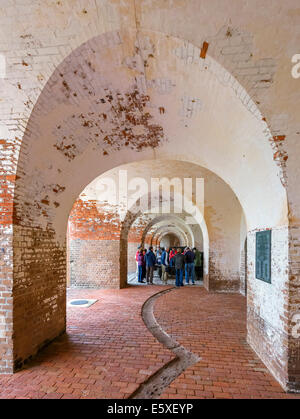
(81, 302)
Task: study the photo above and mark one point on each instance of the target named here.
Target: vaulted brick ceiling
(128, 96)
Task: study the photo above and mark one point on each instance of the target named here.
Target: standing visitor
(158, 256)
(179, 266)
(197, 263)
(144, 266)
(158, 252)
(189, 258)
(164, 265)
(136, 260)
(158, 261)
(150, 263)
(173, 252)
(140, 265)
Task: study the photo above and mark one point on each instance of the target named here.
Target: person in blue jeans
(150, 263)
(179, 267)
(189, 258)
(140, 261)
(164, 265)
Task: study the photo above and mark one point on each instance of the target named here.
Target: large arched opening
(102, 108)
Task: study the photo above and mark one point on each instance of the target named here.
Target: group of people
(188, 261)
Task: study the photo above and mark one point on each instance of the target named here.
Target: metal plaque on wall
(263, 255)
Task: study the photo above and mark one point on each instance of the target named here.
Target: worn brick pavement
(213, 325)
(106, 353)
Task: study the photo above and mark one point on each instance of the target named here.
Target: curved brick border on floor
(156, 384)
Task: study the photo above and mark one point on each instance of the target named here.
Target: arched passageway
(169, 240)
(103, 107)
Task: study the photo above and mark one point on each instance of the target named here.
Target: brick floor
(107, 351)
(213, 326)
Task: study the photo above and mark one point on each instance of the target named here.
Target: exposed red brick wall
(9, 149)
(39, 309)
(94, 240)
(94, 245)
(90, 220)
(95, 263)
(135, 233)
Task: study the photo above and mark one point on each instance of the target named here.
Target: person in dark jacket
(197, 263)
(144, 266)
(179, 267)
(189, 258)
(150, 263)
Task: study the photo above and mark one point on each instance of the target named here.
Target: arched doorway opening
(169, 240)
(97, 113)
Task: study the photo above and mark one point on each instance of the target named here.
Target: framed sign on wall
(263, 255)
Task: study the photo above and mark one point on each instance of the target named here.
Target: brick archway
(64, 148)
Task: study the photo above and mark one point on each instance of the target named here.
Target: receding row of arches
(74, 137)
